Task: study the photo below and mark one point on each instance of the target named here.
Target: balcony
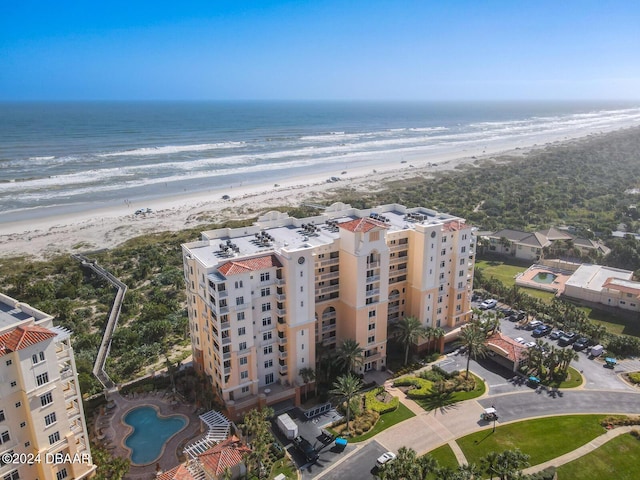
(227, 370)
(282, 355)
(281, 311)
(371, 293)
(225, 325)
(69, 389)
(72, 410)
(283, 369)
(371, 358)
(280, 281)
(328, 289)
(373, 278)
(281, 297)
(393, 309)
(330, 261)
(226, 340)
(329, 315)
(223, 294)
(226, 355)
(221, 310)
(373, 264)
(327, 276)
(328, 328)
(282, 340)
(328, 341)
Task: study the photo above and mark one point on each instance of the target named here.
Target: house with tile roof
(531, 246)
(213, 463)
(506, 351)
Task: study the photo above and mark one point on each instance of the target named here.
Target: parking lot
(596, 376)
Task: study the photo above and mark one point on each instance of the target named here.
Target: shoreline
(109, 226)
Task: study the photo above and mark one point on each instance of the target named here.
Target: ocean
(79, 156)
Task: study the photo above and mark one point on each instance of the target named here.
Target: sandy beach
(101, 228)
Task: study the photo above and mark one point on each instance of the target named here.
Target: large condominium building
(262, 299)
(43, 435)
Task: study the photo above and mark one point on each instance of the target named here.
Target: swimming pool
(150, 433)
(544, 277)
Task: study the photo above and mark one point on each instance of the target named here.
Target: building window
(241, 331)
(268, 378)
(372, 313)
(14, 475)
(266, 321)
(372, 326)
(461, 273)
(267, 336)
(267, 350)
(37, 357)
(265, 292)
(439, 311)
(4, 438)
(245, 390)
(443, 251)
(23, 424)
(439, 299)
(9, 362)
(243, 360)
(463, 249)
(374, 236)
(240, 316)
(460, 284)
(42, 378)
(462, 260)
(244, 374)
(239, 284)
(2, 417)
(61, 474)
(371, 339)
(54, 437)
(442, 264)
(242, 346)
(266, 307)
(49, 419)
(14, 383)
(268, 364)
(239, 300)
(18, 404)
(441, 288)
(459, 296)
(442, 276)
(264, 276)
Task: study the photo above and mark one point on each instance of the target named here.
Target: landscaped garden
(542, 439)
(436, 388)
(371, 413)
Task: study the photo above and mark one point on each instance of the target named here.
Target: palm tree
(473, 337)
(506, 465)
(408, 331)
(566, 357)
(308, 375)
(350, 355)
(346, 387)
(437, 333)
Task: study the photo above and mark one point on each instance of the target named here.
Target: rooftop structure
(260, 298)
(610, 286)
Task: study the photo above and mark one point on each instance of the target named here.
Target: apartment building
(43, 435)
(262, 298)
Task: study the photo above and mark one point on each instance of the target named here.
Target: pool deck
(114, 430)
(525, 279)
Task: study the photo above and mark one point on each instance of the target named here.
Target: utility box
(287, 426)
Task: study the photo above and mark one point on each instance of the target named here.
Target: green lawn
(501, 270)
(387, 420)
(445, 456)
(285, 467)
(615, 459)
(574, 379)
(442, 400)
(542, 438)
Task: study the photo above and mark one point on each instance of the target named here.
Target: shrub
(635, 377)
(423, 388)
(371, 402)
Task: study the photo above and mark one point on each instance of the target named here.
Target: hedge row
(423, 388)
(372, 403)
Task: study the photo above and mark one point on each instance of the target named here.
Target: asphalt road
(360, 465)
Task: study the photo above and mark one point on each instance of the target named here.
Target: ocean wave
(169, 149)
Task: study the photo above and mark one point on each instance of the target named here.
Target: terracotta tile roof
(228, 453)
(614, 284)
(362, 224)
(177, 473)
(453, 226)
(23, 337)
(508, 347)
(251, 264)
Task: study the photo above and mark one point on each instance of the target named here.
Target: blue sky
(349, 49)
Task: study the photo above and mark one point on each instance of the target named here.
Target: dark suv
(567, 339)
(541, 331)
(582, 343)
(305, 448)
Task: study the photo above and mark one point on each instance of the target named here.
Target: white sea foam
(168, 149)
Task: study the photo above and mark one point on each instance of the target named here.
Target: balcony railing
(280, 297)
(329, 315)
(283, 369)
(328, 276)
(282, 340)
(280, 281)
(373, 278)
(371, 293)
(330, 261)
(328, 328)
(373, 264)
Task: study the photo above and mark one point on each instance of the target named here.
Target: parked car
(512, 318)
(541, 331)
(519, 340)
(533, 324)
(530, 344)
(567, 339)
(305, 448)
(556, 334)
(385, 458)
(581, 344)
(488, 304)
(520, 315)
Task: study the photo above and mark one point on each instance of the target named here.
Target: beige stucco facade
(260, 298)
(42, 422)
